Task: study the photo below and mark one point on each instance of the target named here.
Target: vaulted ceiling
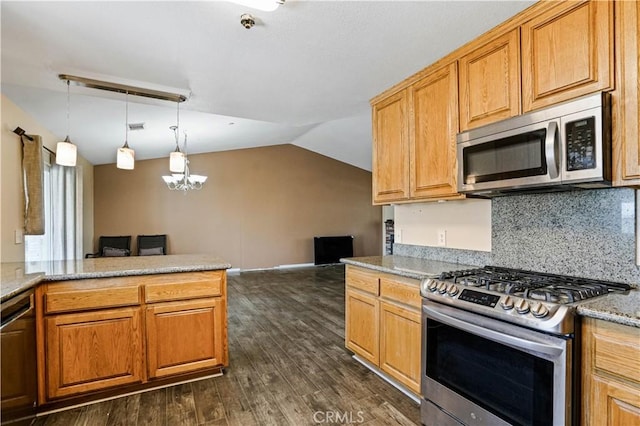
(303, 74)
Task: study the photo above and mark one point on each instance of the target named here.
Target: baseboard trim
(402, 388)
(289, 266)
(95, 401)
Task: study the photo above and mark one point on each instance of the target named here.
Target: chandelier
(179, 162)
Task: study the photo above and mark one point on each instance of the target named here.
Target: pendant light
(66, 151)
(126, 155)
(177, 157)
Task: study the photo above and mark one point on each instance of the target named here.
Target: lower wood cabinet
(383, 323)
(400, 334)
(17, 384)
(611, 374)
(361, 329)
(93, 350)
(184, 336)
(100, 334)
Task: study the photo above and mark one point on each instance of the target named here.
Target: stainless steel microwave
(557, 148)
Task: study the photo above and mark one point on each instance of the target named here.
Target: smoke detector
(247, 21)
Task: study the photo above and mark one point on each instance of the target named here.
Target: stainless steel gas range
(501, 347)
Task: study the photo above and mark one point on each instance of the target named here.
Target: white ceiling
(303, 75)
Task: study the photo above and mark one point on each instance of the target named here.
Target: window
(62, 238)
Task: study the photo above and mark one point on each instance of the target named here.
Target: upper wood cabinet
(490, 81)
(626, 97)
(433, 126)
(414, 140)
(550, 53)
(390, 149)
(567, 52)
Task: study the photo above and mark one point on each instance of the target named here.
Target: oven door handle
(488, 333)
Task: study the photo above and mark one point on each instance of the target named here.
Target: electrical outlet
(442, 237)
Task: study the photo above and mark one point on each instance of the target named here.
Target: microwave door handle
(551, 150)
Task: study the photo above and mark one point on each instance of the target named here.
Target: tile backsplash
(584, 233)
(465, 257)
(590, 233)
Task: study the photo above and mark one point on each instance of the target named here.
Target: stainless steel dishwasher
(18, 385)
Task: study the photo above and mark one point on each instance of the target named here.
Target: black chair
(112, 247)
(149, 245)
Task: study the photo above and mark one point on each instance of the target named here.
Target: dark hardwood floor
(288, 366)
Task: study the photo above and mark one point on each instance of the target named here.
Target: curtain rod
(23, 134)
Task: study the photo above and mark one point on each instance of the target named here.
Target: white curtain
(66, 212)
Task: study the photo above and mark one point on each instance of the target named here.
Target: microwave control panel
(581, 144)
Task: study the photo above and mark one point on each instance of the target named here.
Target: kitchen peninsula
(109, 326)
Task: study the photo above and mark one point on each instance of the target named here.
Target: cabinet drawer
(616, 349)
(208, 286)
(363, 279)
(92, 298)
(400, 292)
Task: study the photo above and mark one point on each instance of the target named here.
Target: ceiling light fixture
(66, 151)
(183, 181)
(126, 155)
(122, 88)
(264, 5)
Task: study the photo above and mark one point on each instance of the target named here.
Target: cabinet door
(433, 128)
(18, 349)
(626, 98)
(185, 336)
(490, 82)
(361, 325)
(390, 149)
(614, 404)
(567, 52)
(93, 350)
(400, 344)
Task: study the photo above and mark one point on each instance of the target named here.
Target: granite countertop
(18, 277)
(620, 308)
(410, 267)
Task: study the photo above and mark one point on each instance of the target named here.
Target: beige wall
(467, 224)
(260, 208)
(11, 201)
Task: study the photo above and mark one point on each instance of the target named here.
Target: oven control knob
(507, 303)
(522, 306)
(539, 310)
(432, 285)
(442, 287)
(452, 290)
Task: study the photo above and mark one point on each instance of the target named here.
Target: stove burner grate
(533, 285)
